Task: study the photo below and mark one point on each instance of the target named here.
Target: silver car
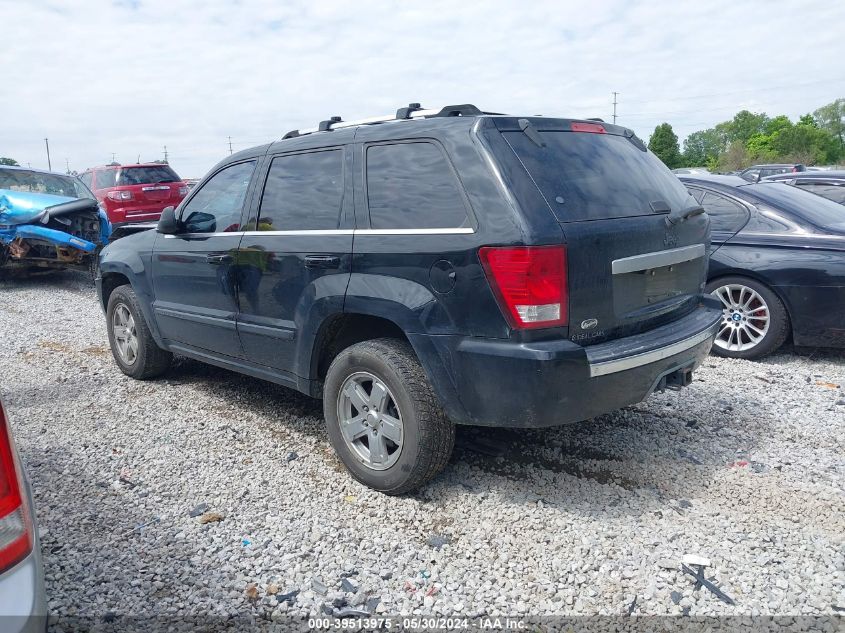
(23, 606)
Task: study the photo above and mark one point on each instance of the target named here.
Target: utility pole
(615, 94)
(67, 164)
(49, 164)
(112, 158)
(230, 146)
(165, 153)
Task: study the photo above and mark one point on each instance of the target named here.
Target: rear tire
(370, 387)
(754, 322)
(132, 344)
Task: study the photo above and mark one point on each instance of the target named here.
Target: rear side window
(145, 175)
(86, 178)
(303, 192)
(412, 186)
(828, 190)
(105, 178)
(595, 176)
(725, 215)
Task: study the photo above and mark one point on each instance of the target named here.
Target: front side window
(725, 215)
(303, 192)
(217, 206)
(412, 186)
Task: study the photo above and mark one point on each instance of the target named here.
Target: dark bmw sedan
(777, 263)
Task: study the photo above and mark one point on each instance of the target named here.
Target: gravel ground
(745, 467)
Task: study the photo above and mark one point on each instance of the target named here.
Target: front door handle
(322, 261)
(219, 259)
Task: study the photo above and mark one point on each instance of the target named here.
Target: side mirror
(167, 223)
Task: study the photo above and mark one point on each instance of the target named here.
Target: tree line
(751, 137)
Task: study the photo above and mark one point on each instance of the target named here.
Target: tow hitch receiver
(675, 380)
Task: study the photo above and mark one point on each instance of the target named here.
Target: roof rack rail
(412, 111)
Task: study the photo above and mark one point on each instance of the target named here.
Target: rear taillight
(119, 196)
(530, 283)
(183, 191)
(15, 521)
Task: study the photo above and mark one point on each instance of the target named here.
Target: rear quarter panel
(805, 274)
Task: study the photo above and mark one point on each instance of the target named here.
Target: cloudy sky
(131, 76)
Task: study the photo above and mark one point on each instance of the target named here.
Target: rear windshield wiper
(531, 132)
(679, 216)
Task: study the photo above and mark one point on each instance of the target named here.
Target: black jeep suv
(425, 269)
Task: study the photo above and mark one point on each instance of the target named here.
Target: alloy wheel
(370, 420)
(125, 335)
(745, 318)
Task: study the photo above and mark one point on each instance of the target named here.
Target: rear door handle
(219, 259)
(322, 261)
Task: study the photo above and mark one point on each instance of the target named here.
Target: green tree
(664, 144)
(778, 123)
(703, 146)
(733, 158)
(8, 161)
(804, 144)
(807, 119)
(746, 124)
(832, 118)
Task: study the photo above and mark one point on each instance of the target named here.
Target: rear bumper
(504, 383)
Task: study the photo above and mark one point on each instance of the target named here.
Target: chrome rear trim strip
(657, 259)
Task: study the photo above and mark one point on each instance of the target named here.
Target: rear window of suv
(145, 175)
(586, 176)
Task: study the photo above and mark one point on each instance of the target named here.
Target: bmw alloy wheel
(745, 318)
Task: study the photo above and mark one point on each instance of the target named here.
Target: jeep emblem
(586, 324)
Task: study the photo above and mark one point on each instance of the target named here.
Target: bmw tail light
(15, 520)
(119, 196)
(530, 284)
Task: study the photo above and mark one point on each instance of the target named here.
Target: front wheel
(132, 343)
(383, 419)
(754, 320)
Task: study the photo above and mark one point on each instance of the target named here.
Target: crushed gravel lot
(211, 493)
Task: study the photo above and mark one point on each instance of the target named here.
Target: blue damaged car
(49, 220)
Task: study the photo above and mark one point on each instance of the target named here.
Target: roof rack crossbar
(412, 111)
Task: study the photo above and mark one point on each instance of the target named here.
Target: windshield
(592, 176)
(40, 182)
(145, 175)
(816, 210)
